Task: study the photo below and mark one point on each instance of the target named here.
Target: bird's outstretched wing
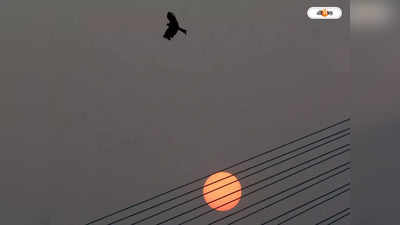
(171, 17)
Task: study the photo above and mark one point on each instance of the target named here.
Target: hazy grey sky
(375, 111)
(99, 111)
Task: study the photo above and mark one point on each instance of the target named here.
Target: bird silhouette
(173, 27)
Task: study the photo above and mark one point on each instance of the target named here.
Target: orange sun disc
(228, 191)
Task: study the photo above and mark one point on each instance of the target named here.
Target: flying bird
(173, 27)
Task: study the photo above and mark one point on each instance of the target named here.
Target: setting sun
(232, 191)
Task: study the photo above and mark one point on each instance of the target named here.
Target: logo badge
(324, 13)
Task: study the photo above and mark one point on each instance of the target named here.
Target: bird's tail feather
(183, 30)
